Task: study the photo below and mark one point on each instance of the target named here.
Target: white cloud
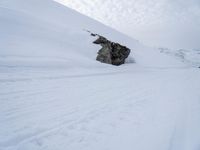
(154, 22)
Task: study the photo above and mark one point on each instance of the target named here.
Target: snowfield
(190, 57)
(54, 95)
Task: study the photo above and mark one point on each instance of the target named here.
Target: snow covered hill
(190, 57)
(54, 95)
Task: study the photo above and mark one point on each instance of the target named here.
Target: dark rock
(92, 34)
(111, 53)
(101, 40)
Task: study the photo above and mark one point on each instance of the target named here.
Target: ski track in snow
(104, 108)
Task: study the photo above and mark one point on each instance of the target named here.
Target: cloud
(153, 22)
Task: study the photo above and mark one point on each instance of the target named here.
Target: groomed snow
(54, 95)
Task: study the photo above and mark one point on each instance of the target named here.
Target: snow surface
(54, 95)
(191, 57)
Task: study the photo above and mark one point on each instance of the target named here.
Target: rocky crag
(111, 52)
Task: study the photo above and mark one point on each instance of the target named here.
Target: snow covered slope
(54, 95)
(190, 57)
(52, 32)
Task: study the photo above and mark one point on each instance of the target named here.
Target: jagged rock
(111, 53)
(101, 40)
(92, 34)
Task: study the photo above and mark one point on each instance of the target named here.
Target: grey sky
(166, 23)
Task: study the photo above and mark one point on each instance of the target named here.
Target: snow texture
(54, 95)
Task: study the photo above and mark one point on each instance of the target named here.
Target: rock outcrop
(111, 53)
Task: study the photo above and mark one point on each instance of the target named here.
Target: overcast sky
(164, 23)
